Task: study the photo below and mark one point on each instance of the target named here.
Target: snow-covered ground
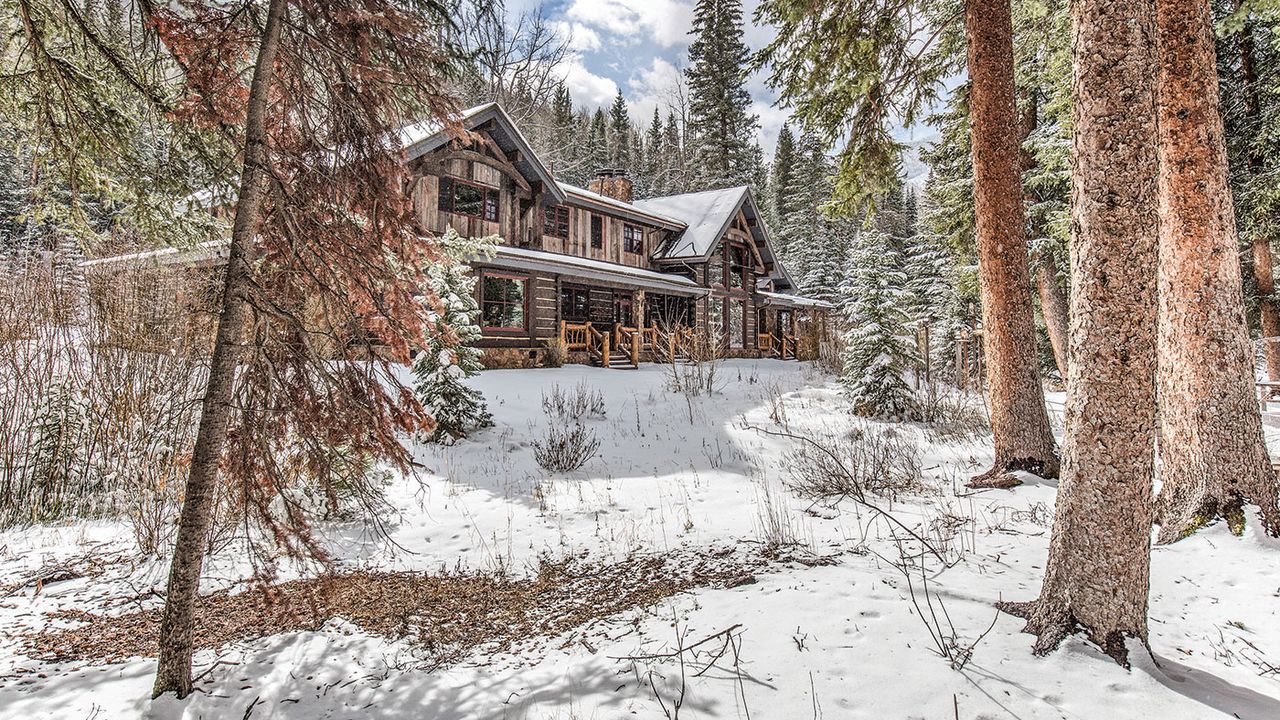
(844, 640)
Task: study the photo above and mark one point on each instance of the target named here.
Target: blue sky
(640, 47)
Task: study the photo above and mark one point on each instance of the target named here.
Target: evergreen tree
(649, 182)
(879, 351)
(449, 357)
(784, 188)
(619, 134)
(721, 130)
(597, 143)
(674, 160)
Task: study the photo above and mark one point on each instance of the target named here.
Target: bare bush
(557, 353)
(952, 416)
(867, 459)
(695, 376)
(565, 447)
(580, 403)
(102, 384)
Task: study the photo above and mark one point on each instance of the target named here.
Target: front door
(784, 322)
(622, 308)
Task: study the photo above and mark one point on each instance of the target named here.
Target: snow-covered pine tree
(448, 358)
(721, 131)
(879, 351)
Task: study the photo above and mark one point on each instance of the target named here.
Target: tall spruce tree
(784, 189)
(620, 146)
(721, 130)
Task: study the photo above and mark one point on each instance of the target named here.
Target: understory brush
(869, 458)
(102, 386)
(951, 416)
(567, 444)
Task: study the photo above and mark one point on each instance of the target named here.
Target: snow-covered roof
(208, 251)
(797, 300)
(424, 137)
(524, 258)
(632, 209)
(706, 216)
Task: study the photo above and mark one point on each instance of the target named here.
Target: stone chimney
(612, 183)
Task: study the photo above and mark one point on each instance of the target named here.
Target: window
(735, 267)
(737, 322)
(502, 304)
(597, 232)
(632, 239)
(575, 303)
(555, 221)
(715, 319)
(464, 198)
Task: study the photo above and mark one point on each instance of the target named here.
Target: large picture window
(502, 302)
(597, 232)
(575, 303)
(555, 221)
(463, 198)
(633, 239)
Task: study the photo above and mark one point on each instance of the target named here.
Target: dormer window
(555, 221)
(464, 198)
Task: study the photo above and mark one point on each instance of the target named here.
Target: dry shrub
(102, 382)
(557, 353)
(867, 459)
(696, 376)
(565, 447)
(580, 403)
(952, 416)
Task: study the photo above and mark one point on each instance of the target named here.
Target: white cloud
(665, 22)
(587, 89)
(581, 38)
(652, 87)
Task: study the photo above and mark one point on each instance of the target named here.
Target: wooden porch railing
(575, 336)
(628, 340)
(764, 342)
(788, 347)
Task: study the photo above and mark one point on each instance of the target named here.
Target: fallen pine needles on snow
(446, 615)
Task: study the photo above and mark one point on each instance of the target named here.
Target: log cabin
(609, 277)
(593, 273)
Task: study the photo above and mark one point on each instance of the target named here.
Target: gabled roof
(422, 138)
(706, 215)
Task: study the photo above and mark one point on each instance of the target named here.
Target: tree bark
(1019, 421)
(1099, 555)
(173, 671)
(1212, 455)
(1053, 300)
(1053, 308)
(1260, 242)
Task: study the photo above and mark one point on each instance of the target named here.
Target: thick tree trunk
(1260, 242)
(1053, 300)
(173, 672)
(1212, 456)
(1099, 554)
(1019, 421)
